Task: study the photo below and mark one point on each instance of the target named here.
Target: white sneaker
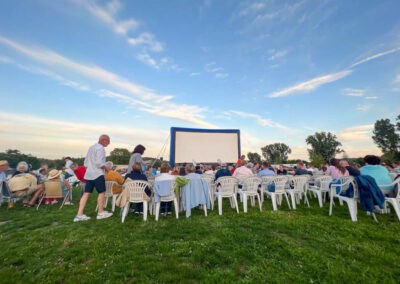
(104, 215)
(81, 218)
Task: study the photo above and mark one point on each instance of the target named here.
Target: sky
(278, 71)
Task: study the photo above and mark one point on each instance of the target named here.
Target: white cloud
(276, 54)
(107, 15)
(356, 133)
(52, 138)
(311, 84)
(161, 106)
(397, 80)
(193, 74)
(253, 8)
(262, 121)
(353, 92)
(364, 107)
(148, 60)
(218, 72)
(147, 39)
(375, 56)
(371, 98)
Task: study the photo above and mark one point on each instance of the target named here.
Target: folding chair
(53, 189)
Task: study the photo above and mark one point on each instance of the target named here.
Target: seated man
(24, 186)
(266, 171)
(301, 170)
(223, 171)
(111, 175)
(243, 171)
(381, 175)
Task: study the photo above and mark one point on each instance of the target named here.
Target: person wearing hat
(55, 176)
(25, 185)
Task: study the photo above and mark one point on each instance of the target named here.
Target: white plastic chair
(321, 186)
(351, 201)
(137, 194)
(226, 187)
(209, 178)
(394, 201)
(266, 180)
(250, 188)
(109, 194)
(280, 190)
(300, 184)
(169, 198)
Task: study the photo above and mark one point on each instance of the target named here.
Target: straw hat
(53, 174)
(3, 163)
(19, 182)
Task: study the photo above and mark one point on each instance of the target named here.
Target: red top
(80, 173)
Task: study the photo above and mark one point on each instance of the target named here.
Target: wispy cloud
(218, 71)
(371, 98)
(364, 107)
(311, 85)
(148, 40)
(108, 15)
(262, 121)
(253, 8)
(276, 54)
(193, 74)
(356, 133)
(148, 60)
(133, 93)
(353, 92)
(375, 56)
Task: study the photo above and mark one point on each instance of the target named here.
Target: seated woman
(55, 176)
(166, 207)
(378, 172)
(111, 175)
(22, 168)
(136, 174)
(335, 170)
(192, 172)
(24, 185)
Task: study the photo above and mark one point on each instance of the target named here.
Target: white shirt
(94, 161)
(242, 171)
(165, 176)
(68, 167)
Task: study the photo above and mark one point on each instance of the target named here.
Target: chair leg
(259, 201)
(319, 195)
(244, 198)
(352, 204)
(157, 210)
(287, 200)
(236, 203)
(114, 199)
(105, 203)
(274, 204)
(205, 209)
(219, 204)
(293, 197)
(306, 200)
(396, 207)
(125, 211)
(145, 205)
(331, 203)
(176, 208)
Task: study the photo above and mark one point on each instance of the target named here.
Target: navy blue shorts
(99, 183)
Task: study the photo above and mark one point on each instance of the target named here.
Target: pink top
(335, 173)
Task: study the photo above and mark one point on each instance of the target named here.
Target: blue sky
(277, 70)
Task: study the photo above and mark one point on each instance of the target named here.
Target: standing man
(95, 163)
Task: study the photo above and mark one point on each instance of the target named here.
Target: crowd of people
(28, 185)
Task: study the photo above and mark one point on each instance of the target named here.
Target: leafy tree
(120, 156)
(276, 153)
(324, 144)
(385, 135)
(15, 156)
(254, 157)
(317, 160)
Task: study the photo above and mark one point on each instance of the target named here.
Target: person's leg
(35, 196)
(100, 184)
(100, 202)
(82, 203)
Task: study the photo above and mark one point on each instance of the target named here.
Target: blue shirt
(266, 172)
(379, 173)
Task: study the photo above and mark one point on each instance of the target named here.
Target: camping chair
(300, 184)
(7, 194)
(321, 186)
(137, 194)
(337, 190)
(249, 188)
(226, 187)
(53, 189)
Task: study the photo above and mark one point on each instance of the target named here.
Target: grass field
(305, 246)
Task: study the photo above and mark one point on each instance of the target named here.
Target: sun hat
(53, 174)
(3, 163)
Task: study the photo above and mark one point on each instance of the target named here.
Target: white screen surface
(206, 147)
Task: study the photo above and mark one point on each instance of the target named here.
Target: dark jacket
(369, 192)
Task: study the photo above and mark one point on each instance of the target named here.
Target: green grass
(305, 246)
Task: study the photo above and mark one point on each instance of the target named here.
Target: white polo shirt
(94, 161)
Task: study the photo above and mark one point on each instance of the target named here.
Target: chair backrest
(266, 180)
(208, 176)
(53, 189)
(227, 184)
(161, 186)
(136, 189)
(323, 182)
(251, 184)
(344, 185)
(209, 179)
(109, 188)
(280, 183)
(299, 182)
